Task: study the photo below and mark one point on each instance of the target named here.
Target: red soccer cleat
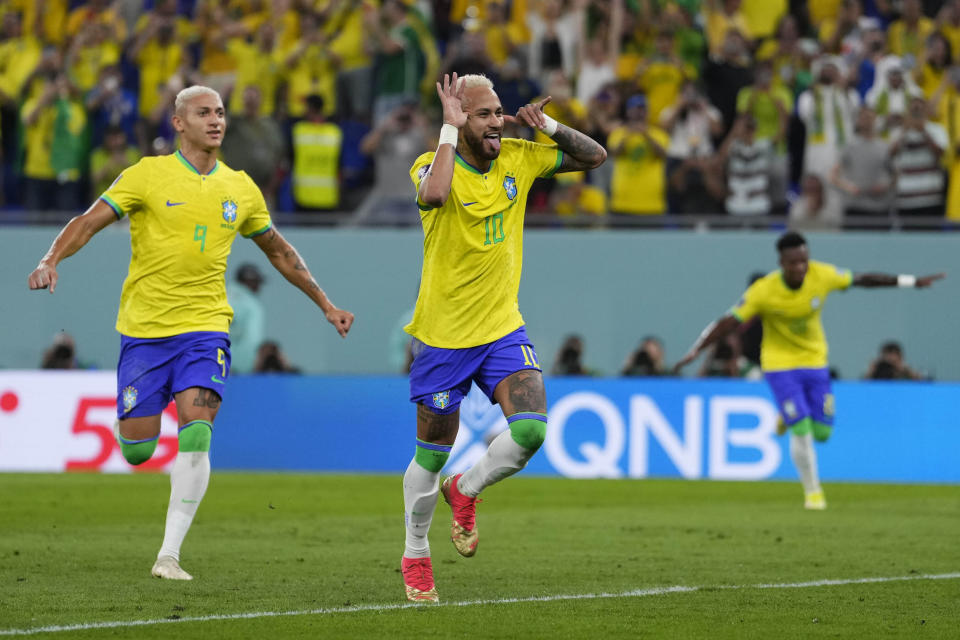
(418, 579)
(463, 531)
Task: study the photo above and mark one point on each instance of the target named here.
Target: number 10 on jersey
(493, 229)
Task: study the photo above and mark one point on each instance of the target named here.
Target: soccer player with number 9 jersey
(467, 326)
(185, 210)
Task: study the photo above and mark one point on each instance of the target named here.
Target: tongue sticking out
(495, 143)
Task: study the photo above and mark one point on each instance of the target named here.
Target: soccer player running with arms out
(793, 352)
(466, 326)
(185, 211)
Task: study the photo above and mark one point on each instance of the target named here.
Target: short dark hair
(315, 102)
(790, 240)
(114, 130)
(891, 346)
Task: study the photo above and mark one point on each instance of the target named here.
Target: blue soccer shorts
(802, 393)
(440, 378)
(152, 370)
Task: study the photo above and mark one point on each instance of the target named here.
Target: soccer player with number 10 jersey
(467, 326)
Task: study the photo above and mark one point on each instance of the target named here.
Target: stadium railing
(693, 222)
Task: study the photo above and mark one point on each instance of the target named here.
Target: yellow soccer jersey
(793, 335)
(182, 225)
(473, 247)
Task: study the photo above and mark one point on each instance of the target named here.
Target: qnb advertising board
(725, 430)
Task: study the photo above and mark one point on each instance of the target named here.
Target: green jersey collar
(186, 163)
(469, 167)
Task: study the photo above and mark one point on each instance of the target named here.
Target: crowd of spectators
(830, 113)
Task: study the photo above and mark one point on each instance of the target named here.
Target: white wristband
(906, 281)
(449, 134)
(551, 127)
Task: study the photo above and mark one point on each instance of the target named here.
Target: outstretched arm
(580, 151)
(713, 332)
(435, 186)
(288, 262)
(71, 239)
(872, 280)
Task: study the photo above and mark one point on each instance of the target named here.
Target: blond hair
(188, 94)
(475, 80)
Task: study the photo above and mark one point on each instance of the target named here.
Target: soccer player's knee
(529, 433)
(802, 427)
(195, 436)
(138, 452)
(821, 432)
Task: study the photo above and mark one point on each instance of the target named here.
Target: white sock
(420, 491)
(188, 482)
(504, 457)
(805, 460)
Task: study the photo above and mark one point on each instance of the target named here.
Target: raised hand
(451, 97)
(926, 281)
(530, 115)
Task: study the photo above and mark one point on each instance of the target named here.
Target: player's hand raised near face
(451, 97)
(42, 277)
(341, 320)
(531, 115)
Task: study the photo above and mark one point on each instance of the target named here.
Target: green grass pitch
(77, 549)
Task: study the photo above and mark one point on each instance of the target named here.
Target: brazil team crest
(229, 210)
(790, 409)
(510, 186)
(441, 400)
(129, 398)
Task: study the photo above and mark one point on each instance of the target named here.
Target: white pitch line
(637, 593)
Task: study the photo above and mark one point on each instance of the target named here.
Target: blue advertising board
(598, 428)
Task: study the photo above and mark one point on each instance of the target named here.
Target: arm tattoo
(580, 152)
(298, 266)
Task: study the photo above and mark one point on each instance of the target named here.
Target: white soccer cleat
(815, 501)
(169, 569)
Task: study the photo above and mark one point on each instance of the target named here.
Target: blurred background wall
(610, 287)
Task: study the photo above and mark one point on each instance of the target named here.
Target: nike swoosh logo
(467, 204)
(174, 204)
(216, 379)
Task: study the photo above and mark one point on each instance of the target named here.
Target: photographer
(646, 360)
(569, 360)
(61, 354)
